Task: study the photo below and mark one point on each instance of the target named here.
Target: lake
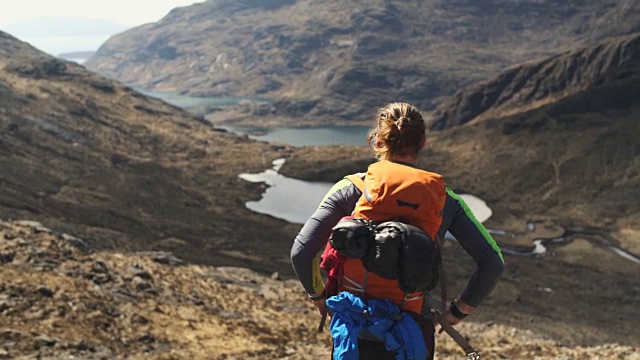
(189, 103)
(294, 136)
(306, 136)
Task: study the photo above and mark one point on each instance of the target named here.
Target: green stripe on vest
(480, 227)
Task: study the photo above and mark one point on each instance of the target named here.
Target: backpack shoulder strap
(357, 180)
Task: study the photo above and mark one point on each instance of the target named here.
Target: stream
(295, 200)
(595, 236)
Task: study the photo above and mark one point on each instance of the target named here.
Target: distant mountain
(335, 62)
(63, 26)
(563, 125)
(60, 35)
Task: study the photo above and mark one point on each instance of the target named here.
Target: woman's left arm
(314, 234)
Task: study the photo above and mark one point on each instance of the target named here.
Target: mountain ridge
(535, 84)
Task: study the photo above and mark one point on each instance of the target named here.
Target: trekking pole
(472, 354)
(438, 309)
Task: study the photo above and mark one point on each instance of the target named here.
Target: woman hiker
(397, 136)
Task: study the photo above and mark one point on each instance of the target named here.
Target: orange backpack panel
(393, 191)
(400, 192)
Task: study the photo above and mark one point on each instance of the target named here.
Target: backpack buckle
(474, 355)
(366, 314)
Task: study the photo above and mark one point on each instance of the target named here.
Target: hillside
(326, 62)
(59, 299)
(571, 120)
(95, 158)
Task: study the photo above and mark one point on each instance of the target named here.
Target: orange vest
(394, 191)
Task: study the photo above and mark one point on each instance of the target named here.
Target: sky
(61, 26)
(126, 12)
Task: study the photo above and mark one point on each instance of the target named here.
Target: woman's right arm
(312, 238)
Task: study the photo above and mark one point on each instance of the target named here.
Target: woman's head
(398, 131)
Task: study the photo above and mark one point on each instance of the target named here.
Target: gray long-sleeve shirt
(457, 219)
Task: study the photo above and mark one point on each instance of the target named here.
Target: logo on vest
(408, 204)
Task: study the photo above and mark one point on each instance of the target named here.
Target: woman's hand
(319, 304)
(454, 314)
(318, 301)
(447, 317)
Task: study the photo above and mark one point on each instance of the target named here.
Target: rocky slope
(61, 300)
(331, 62)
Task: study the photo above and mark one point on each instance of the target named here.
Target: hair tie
(399, 122)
